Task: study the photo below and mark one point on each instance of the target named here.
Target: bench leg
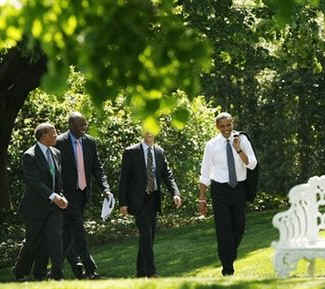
(281, 267)
(311, 267)
(284, 262)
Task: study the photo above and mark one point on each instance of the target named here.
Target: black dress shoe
(155, 275)
(78, 271)
(56, 277)
(227, 271)
(18, 277)
(93, 276)
(40, 278)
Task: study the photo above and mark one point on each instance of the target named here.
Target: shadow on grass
(179, 251)
(194, 247)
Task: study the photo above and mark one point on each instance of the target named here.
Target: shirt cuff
(251, 164)
(107, 192)
(52, 196)
(205, 181)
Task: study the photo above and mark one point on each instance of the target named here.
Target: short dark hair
(74, 115)
(43, 129)
(223, 115)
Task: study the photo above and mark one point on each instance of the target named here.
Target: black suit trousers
(229, 215)
(146, 220)
(74, 234)
(42, 235)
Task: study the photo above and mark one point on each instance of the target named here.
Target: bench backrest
(305, 218)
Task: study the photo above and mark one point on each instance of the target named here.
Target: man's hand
(60, 201)
(108, 195)
(236, 143)
(177, 201)
(203, 209)
(124, 210)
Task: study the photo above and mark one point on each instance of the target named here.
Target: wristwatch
(239, 151)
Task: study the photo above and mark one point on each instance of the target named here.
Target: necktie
(231, 166)
(51, 166)
(82, 183)
(150, 175)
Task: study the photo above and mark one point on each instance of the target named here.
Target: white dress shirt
(145, 151)
(44, 149)
(214, 164)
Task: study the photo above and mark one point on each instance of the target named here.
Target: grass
(186, 259)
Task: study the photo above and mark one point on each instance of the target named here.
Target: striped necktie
(150, 175)
(51, 166)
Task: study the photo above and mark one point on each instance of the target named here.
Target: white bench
(299, 228)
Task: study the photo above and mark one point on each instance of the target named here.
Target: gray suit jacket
(39, 183)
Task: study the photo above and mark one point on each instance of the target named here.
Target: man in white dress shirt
(226, 159)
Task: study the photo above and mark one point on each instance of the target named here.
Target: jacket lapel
(157, 156)
(85, 153)
(43, 162)
(142, 160)
(70, 150)
(41, 158)
(55, 159)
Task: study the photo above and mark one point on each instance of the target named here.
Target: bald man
(80, 163)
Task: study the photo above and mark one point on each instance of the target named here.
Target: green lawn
(186, 259)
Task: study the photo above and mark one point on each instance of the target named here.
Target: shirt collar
(225, 139)
(145, 146)
(73, 138)
(42, 147)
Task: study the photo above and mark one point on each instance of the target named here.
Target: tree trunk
(19, 74)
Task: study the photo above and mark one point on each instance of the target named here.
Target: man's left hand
(108, 195)
(177, 201)
(236, 143)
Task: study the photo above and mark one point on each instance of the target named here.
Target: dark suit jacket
(38, 183)
(92, 164)
(133, 179)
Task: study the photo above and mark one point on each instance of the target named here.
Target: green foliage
(141, 47)
(287, 12)
(271, 79)
(114, 130)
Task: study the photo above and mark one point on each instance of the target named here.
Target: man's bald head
(78, 124)
(74, 116)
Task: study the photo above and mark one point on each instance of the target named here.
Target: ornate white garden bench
(299, 227)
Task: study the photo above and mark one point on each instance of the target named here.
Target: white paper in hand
(108, 206)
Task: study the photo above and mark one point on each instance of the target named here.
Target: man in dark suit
(144, 168)
(80, 162)
(41, 205)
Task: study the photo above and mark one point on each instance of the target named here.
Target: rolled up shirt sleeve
(248, 150)
(206, 167)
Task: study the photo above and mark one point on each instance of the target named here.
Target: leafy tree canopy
(141, 48)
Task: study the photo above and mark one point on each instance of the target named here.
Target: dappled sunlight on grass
(177, 283)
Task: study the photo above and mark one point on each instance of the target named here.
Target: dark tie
(150, 175)
(51, 166)
(231, 166)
